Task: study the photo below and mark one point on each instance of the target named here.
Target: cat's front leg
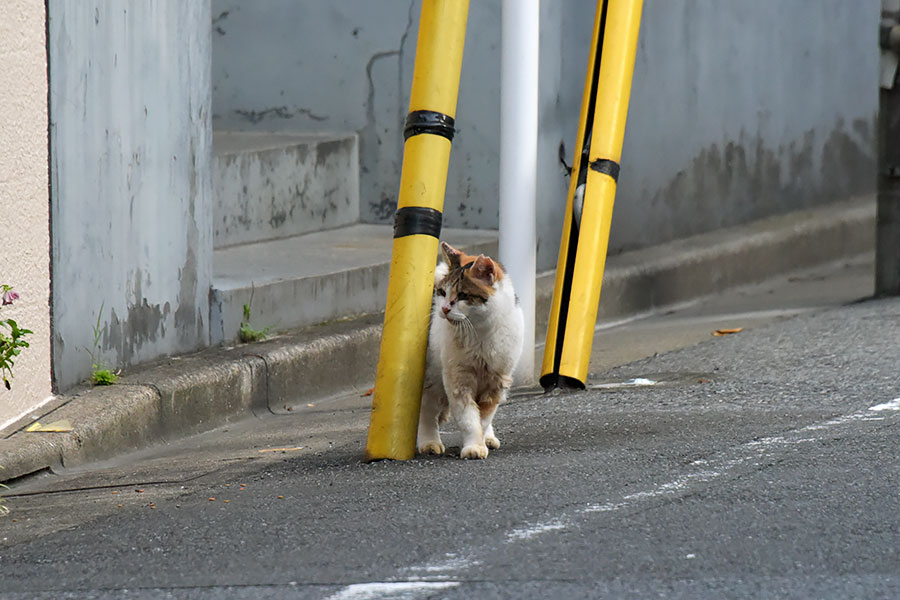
(468, 418)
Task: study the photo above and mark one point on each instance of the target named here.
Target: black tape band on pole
(429, 121)
(607, 167)
(417, 220)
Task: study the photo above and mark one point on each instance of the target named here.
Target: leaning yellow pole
(417, 226)
(582, 254)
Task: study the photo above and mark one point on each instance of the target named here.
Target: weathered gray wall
(739, 109)
(347, 66)
(745, 109)
(130, 140)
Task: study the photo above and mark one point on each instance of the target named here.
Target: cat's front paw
(431, 448)
(474, 451)
(491, 442)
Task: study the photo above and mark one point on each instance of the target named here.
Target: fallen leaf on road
(369, 392)
(721, 332)
(62, 426)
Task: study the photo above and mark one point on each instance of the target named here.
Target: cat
(474, 343)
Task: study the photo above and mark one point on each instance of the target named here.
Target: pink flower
(9, 296)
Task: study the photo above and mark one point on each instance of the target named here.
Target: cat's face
(467, 287)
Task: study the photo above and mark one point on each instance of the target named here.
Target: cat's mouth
(455, 319)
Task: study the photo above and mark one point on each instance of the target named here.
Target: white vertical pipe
(518, 160)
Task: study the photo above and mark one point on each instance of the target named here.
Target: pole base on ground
(555, 381)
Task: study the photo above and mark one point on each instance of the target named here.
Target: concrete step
(313, 278)
(276, 185)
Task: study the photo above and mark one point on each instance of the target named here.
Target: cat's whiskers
(470, 330)
(466, 330)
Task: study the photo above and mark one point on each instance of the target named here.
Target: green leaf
(104, 377)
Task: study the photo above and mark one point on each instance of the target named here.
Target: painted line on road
(748, 453)
(631, 383)
(438, 570)
(892, 405)
(450, 571)
(530, 531)
(402, 590)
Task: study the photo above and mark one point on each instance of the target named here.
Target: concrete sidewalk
(195, 393)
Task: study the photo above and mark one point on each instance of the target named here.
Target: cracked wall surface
(130, 139)
(738, 110)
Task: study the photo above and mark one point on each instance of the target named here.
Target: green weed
(100, 374)
(247, 333)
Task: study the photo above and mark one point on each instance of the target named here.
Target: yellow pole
(417, 225)
(582, 255)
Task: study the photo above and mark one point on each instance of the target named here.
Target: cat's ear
(484, 269)
(451, 254)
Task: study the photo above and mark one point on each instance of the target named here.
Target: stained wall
(130, 138)
(739, 109)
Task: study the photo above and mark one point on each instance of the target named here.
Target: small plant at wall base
(247, 333)
(11, 336)
(100, 375)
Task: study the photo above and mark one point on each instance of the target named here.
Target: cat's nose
(445, 308)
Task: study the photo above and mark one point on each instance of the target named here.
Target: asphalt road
(756, 465)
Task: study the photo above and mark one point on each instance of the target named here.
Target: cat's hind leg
(428, 437)
(487, 406)
(487, 425)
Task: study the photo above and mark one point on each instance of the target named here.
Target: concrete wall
(347, 66)
(24, 199)
(744, 109)
(738, 110)
(130, 147)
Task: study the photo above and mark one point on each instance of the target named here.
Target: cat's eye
(462, 297)
(440, 292)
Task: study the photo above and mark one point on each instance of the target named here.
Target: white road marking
(636, 382)
(892, 405)
(530, 531)
(401, 590)
(707, 470)
(432, 571)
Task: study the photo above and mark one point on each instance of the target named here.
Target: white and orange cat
(475, 341)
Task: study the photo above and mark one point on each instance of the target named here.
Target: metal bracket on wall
(891, 172)
(889, 41)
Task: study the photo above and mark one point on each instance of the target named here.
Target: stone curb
(198, 392)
